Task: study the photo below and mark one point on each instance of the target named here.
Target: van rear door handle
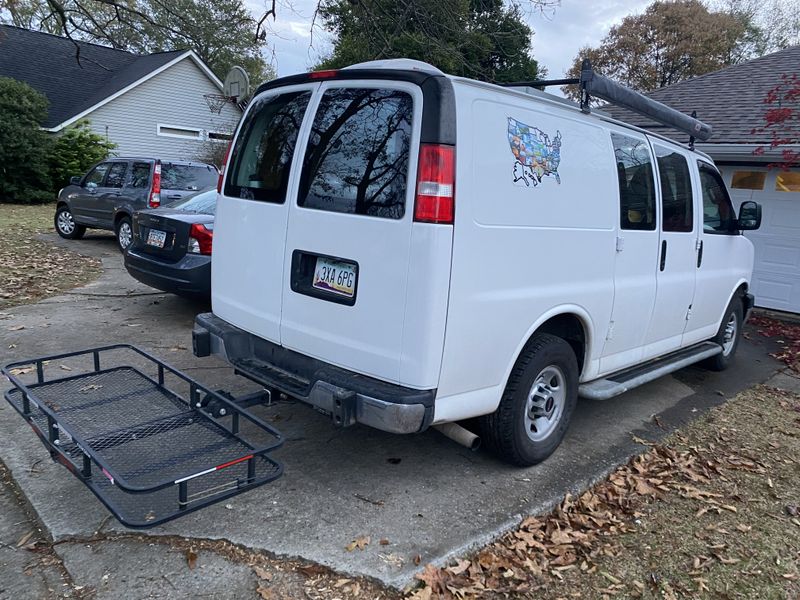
(663, 254)
(700, 254)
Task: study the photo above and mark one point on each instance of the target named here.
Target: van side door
(677, 254)
(718, 267)
(637, 245)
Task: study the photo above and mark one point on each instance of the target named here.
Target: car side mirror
(75, 180)
(90, 185)
(749, 216)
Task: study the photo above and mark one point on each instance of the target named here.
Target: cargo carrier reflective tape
(140, 434)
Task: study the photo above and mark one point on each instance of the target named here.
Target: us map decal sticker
(536, 156)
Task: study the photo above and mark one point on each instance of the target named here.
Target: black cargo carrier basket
(137, 432)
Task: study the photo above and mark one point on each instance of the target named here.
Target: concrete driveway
(427, 496)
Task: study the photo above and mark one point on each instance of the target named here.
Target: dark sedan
(171, 246)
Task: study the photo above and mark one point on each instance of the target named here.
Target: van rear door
(252, 212)
(349, 232)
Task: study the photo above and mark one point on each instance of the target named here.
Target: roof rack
(593, 84)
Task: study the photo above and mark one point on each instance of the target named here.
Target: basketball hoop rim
(215, 102)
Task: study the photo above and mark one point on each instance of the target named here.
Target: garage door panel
(772, 290)
(776, 268)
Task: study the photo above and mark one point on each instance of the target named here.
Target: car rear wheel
(728, 336)
(65, 224)
(124, 233)
(537, 404)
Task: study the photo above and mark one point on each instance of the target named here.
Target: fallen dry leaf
(24, 539)
(191, 559)
(262, 573)
(360, 543)
(22, 370)
(17, 328)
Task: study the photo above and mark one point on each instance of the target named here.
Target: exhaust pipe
(459, 435)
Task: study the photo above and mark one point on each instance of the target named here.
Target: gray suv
(107, 196)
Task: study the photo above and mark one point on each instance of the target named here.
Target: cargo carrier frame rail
(150, 447)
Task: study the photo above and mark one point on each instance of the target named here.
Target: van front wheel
(537, 404)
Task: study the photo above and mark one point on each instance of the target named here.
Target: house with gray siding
(149, 105)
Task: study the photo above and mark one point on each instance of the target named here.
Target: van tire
(733, 316)
(506, 431)
(65, 224)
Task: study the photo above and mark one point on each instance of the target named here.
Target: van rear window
(357, 156)
(262, 156)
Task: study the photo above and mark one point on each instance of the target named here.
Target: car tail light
(222, 170)
(436, 178)
(155, 189)
(200, 239)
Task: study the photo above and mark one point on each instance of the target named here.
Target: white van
(403, 248)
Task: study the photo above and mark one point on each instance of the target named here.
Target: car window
(96, 176)
(116, 175)
(718, 213)
(140, 175)
(357, 156)
(637, 192)
(262, 156)
(204, 203)
(188, 177)
(676, 190)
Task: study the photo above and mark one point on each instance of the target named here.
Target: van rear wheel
(537, 404)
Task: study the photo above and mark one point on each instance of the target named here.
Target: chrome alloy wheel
(124, 235)
(729, 337)
(66, 224)
(546, 400)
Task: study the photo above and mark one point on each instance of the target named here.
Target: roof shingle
(731, 100)
(48, 64)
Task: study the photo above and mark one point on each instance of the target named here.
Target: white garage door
(776, 273)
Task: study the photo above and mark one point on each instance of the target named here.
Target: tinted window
(718, 213)
(187, 177)
(357, 156)
(676, 190)
(204, 202)
(96, 175)
(262, 156)
(637, 193)
(140, 175)
(116, 175)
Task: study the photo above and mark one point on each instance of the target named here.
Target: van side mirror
(75, 180)
(749, 216)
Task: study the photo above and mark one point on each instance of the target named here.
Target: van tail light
(325, 74)
(155, 189)
(200, 239)
(222, 170)
(436, 179)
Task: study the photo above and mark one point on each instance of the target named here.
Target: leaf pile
(31, 269)
(580, 538)
(788, 336)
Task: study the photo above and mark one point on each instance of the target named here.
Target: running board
(622, 381)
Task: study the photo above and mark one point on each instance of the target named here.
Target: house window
(219, 136)
(181, 132)
(788, 181)
(748, 180)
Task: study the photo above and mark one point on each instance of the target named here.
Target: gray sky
(557, 36)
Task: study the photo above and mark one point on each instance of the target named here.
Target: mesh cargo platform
(137, 433)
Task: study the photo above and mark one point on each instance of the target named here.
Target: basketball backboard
(237, 84)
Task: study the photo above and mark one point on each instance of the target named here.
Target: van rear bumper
(346, 396)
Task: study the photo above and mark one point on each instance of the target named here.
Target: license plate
(335, 277)
(156, 238)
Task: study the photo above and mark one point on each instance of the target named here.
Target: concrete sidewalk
(427, 496)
